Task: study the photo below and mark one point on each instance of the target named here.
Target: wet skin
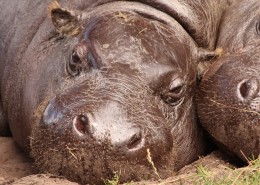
(228, 96)
(112, 88)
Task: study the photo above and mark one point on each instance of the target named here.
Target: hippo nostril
(247, 89)
(81, 125)
(135, 140)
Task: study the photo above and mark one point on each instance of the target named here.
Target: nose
(135, 141)
(108, 128)
(82, 126)
(247, 89)
(130, 141)
(124, 140)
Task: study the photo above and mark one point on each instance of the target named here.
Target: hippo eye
(174, 95)
(73, 64)
(258, 28)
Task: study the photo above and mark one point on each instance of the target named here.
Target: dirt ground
(17, 169)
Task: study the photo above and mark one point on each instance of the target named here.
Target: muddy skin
(228, 96)
(97, 91)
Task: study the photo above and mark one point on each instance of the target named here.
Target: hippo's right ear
(65, 21)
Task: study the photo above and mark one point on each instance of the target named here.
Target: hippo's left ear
(65, 21)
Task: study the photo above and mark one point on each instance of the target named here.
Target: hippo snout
(131, 142)
(125, 134)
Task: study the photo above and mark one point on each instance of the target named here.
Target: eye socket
(258, 28)
(175, 94)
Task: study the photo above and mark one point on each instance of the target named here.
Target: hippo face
(228, 96)
(228, 103)
(240, 26)
(126, 95)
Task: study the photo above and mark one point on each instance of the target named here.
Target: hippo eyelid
(173, 101)
(177, 86)
(173, 93)
(177, 89)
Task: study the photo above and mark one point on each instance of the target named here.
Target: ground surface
(17, 169)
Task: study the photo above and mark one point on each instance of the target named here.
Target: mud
(16, 168)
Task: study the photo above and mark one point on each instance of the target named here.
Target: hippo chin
(228, 97)
(103, 90)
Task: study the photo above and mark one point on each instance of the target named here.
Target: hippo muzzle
(112, 126)
(114, 119)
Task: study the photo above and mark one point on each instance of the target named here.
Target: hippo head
(120, 98)
(228, 103)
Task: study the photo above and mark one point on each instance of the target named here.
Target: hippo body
(228, 101)
(99, 88)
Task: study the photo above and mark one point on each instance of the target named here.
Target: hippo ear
(65, 21)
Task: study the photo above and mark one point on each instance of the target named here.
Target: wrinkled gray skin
(97, 90)
(228, 98)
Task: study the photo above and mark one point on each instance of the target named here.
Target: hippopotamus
(228, 95)
(95, 89)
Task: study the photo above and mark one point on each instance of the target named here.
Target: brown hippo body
(228, 97)
(103, 88)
